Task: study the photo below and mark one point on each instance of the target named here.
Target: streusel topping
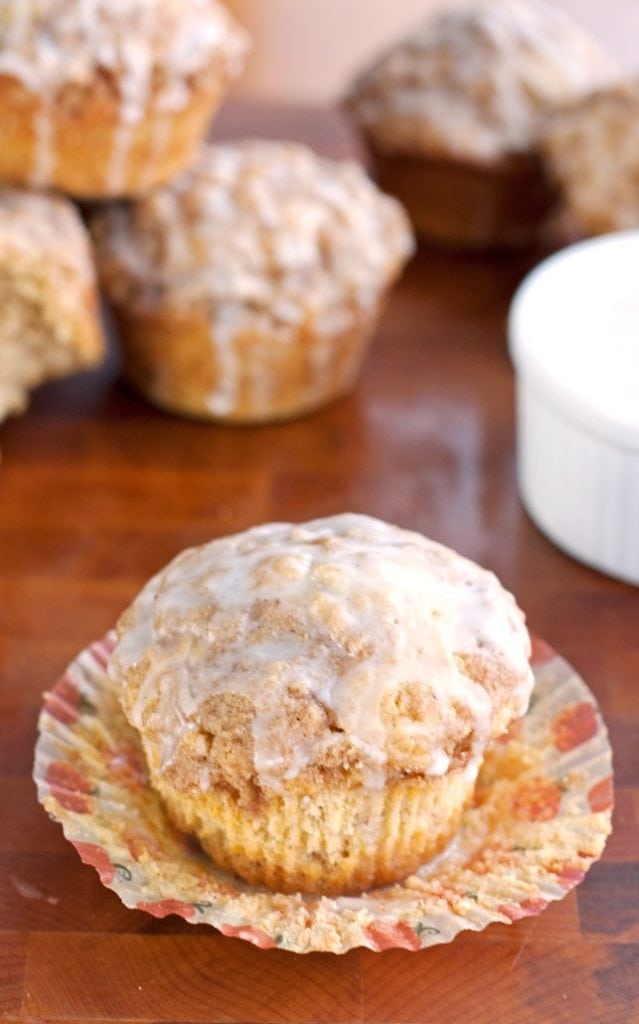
(343, 643)
(48, 44)
(147, 55)
(37, 229)
(264, 234)
(475, 82)
(593, 149)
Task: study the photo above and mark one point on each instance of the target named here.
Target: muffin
(592, 148)
(314, 701)
(111, 97)
(452, 116)
(49, 323)
(247, 289)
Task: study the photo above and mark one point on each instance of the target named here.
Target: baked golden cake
(103, 98)
(248, 289)
(452, 116)
(49, 323)
(314, 701)
(592, 148)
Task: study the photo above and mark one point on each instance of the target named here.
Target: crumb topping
(344, 644)
(259, 233)
(49, 44)
(45, 229)
(475, 82)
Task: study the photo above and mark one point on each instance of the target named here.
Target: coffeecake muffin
(103, 98)
(314, 701)
(248, 289)
(49, 323)
(592, 148)
(452, 115)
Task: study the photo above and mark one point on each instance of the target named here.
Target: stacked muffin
(110, 98)
(248, 288)
(97, 99)
(247, 279)
(254, 273)
(49, 322)
(314, 701)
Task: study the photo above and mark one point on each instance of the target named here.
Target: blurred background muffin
(248, 289)
(307, 52)
(315, 701)
(49, 322)
(592, 148)
(452, 115)
(110, 98)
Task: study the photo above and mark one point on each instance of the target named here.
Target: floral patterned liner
(541, 817)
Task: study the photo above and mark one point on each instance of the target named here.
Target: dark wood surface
(97, 491)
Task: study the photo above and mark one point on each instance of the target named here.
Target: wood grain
(526, 981)
(97, 491)
(207, 976)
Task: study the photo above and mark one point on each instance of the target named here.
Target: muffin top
(261, 235)
(592, 148)
(344, 645)
(474, 82)
(44, 233)
(146, 46)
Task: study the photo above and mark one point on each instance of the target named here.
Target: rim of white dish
(574, 334)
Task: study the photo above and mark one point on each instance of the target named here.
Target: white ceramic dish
(574, 340)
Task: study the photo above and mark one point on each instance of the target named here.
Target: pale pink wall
(306, 50)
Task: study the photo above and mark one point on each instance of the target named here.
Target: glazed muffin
(248, 289)
(314, 701)
(110, 97)
(49, 323)
(592, 148)
(452, 117)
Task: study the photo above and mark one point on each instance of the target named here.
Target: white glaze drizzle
(43, 150)
(19, 23)
(223, 399)
(346, 610)
(161, 137)
(135, 87)
(43, 153)
(88, 15)
(55, 43)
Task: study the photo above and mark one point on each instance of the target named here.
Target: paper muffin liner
(541, 816)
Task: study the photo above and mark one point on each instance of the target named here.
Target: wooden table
(98, 491)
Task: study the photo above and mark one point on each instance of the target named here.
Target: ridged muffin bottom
(334, 840)
(463, 205)
(175, 358)
(78, 143)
